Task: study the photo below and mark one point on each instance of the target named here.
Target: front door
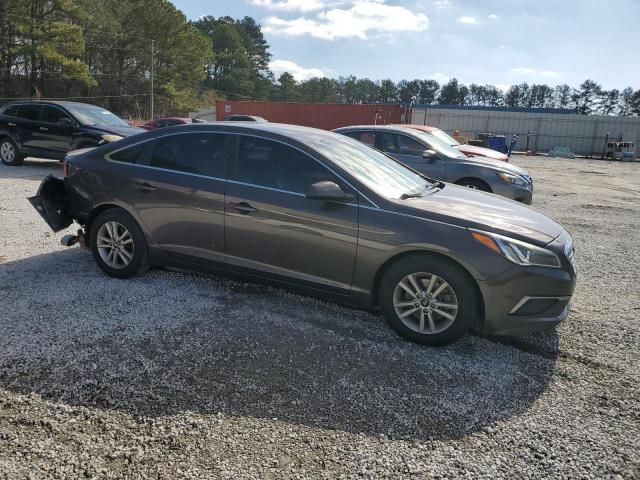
(274, 230)
(179, 191)
(56, 138)
(409, 151)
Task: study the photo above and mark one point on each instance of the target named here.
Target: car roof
(60, 103)
(424, 128)
(392, 128)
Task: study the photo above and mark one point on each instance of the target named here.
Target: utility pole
(152, 54)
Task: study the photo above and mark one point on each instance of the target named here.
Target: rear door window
(196, 153)
(11, 111)
(385, 142)
(272, 164)
(132, 154)
(29, 112)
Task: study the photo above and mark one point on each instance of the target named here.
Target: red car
(468, 150)
(169, 122)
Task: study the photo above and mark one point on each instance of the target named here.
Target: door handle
(44, 129)
(243, 207)
(145, 187)
(11, 124)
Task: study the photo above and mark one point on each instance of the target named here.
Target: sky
(497, 42)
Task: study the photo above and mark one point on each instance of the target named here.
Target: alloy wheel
(7, 152)
(115, 245)
(425, 303)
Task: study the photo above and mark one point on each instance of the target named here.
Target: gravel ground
(175, 375)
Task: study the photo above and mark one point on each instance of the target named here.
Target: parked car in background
(244, 118)
(468, 150)
(170, 122)
(306, 207)
(48, 129)
(435, 159)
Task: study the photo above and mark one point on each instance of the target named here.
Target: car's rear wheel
(474, 184)
(9, 154)
(118, 244)
(428, 300)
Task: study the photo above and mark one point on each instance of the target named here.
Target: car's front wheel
(118, 244)
(9, 154)
(474, 184)
(428, 300)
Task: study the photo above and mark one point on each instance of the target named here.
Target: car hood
(484, 211)
(482, 152)
(497, 164)
(122, 131)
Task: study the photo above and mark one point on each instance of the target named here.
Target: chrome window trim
(107, 157)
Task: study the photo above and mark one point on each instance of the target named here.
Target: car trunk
(51, 203)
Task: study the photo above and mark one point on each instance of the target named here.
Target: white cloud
(299, 73)
(301, 5)
(503, 86)
(362, 18)
(467, 20)
(439, 77)
(441, 3)
(493, 16)
(523, 71)
(527, 71)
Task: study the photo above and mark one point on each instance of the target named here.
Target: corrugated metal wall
(583, 134)
(319, 115)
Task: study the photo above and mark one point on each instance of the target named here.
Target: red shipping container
(319, 115)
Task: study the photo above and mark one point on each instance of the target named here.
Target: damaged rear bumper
(51, 203)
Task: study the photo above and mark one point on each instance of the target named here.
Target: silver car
(435, 159)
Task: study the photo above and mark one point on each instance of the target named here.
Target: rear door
(272, 228)
(179, 194)
(409, 151)
(27, 128)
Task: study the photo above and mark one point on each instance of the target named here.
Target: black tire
(457, 279)
(138, 263)
(7, 145)
(475, 184)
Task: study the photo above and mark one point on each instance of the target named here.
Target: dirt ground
(175, 375)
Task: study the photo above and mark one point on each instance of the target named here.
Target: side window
(11, 111)
(367, 138)
(198, 153)
(52, 114)
(272, 164)
(385, 142)
(130, 155)
(29, 112)
(409, 146)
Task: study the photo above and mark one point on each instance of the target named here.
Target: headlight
(514, 179)
(518, 252)
(111, 138)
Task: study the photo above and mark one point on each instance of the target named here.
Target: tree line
(108, 51)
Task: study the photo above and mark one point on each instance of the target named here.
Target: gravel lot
(175, 375)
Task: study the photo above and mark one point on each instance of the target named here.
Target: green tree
(287, 89)
(453, 93)
(408, 91)
(428, 91)
(563, 94)
(625, 102)
(388, 92)
(609, 101)
(586, 97)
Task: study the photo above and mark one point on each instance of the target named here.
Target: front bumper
(514, 192)
(525, 299)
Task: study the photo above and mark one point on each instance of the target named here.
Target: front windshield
(439, 146)
(91, 116)
(378, 172)
(444, 137)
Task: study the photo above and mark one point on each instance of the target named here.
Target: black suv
(48, 129)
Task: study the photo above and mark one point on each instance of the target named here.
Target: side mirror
(429, 154)
(65, 123)
(328, 192)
